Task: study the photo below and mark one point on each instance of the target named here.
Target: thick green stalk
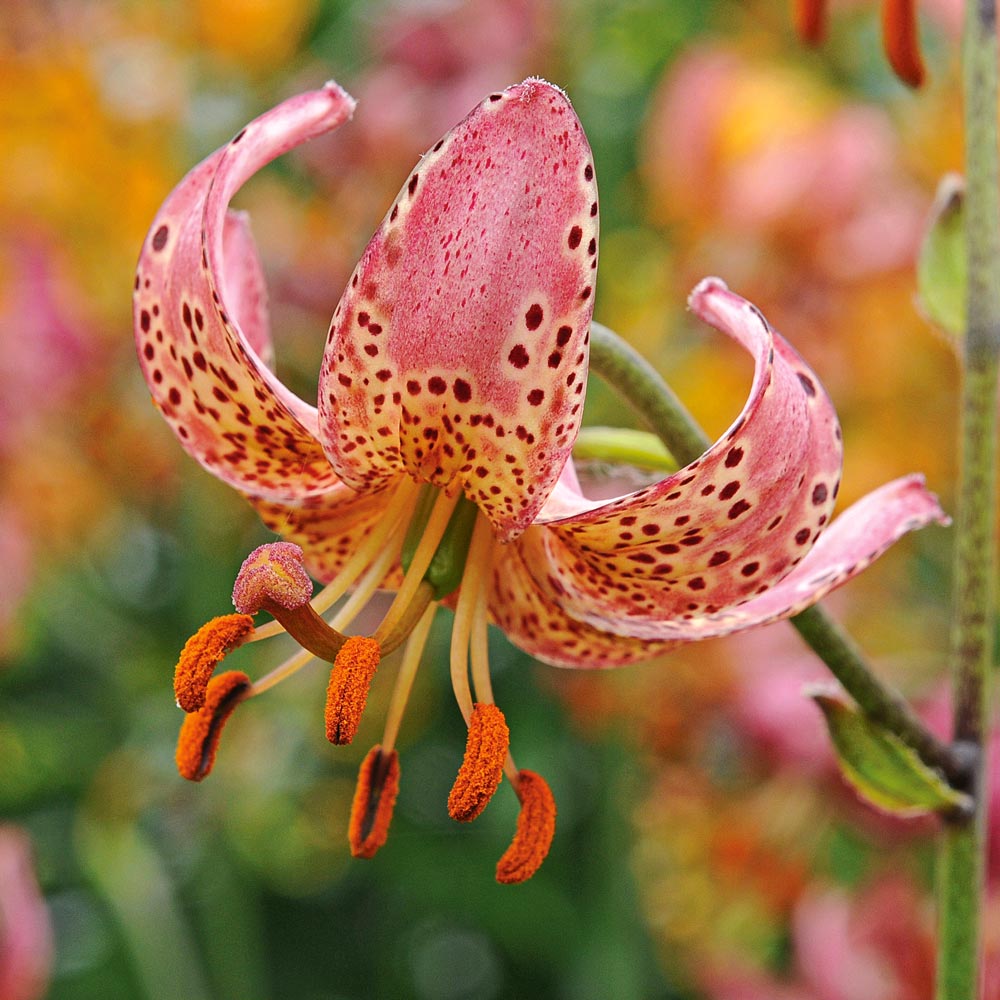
(640, 383)
(962, 869)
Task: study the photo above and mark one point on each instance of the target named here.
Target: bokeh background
(706, 847)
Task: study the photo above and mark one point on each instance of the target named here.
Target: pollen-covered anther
(374, 800)
(536, 826)
(202, 652)
(200, 733)
(482, 768)
(347, 692)
(272, 574)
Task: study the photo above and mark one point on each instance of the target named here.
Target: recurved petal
(729, 525)
(852, 542)
(527, 605)
(200, 317)
(459, 350)
(328, 528)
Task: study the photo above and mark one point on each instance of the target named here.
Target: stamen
(536, 826)
(347, 692)
(482, 768)
(273, 579)
(473, 580)
(901, 40)
(810, 20)
(404, 679)
(202, 652)
(200, 733)
(437, 523)
(374, 799)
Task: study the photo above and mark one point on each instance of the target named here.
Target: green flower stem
(962, 870)
(638, 382)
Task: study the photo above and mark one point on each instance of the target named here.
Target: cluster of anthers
(273, 579)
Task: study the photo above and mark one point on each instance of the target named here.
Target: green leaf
(623, 446)
(941, 274)
(880, 767)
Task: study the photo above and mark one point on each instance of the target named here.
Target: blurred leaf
(880, 767)
(941, 277)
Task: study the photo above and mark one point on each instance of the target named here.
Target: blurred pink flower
(25, 934)
(743, 147)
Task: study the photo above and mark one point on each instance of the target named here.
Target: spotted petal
(459, 350)
(729, 525)
(200, 317)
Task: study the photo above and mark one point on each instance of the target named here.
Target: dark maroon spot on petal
(533, 317)
(807, 384)
(437, 385)
(585, 294)
(575, 236)
(239, 135)
(374, 329)
(750, 568)
(692, 540)
(371, 350)
(144, 321)
(462, 390)
(588, 172)
(563, 335)
(496, 97)
(174, 396)
(344, 380)
(708, 490)
(383, 374)
(437, 145)
(650, 529)
(696, 583)
(718, 558)
(554, 359)
(518, 356)
(729, 490)
(802, 536)
(820, 494)
(412, 186)
(160, 238)
(593, 209)
(740, 507)
(186, 315)
(394, 213)
(682, 520)
(668, 549)
(536, 396)
(148, 351)
(734, 457)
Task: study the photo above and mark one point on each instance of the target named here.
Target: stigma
(443, 548)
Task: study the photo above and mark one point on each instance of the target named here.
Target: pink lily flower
(437, 462)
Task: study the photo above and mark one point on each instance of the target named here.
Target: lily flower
(437, 462)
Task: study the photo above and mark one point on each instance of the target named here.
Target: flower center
(443, 546)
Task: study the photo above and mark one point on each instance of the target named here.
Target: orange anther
(536, 826)
(374, 799)
(201, 730)
(901, 41)
(198, 659)
(347, 692)
(482, 768)
(810, 20)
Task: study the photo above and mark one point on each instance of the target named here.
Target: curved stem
(655, 402)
